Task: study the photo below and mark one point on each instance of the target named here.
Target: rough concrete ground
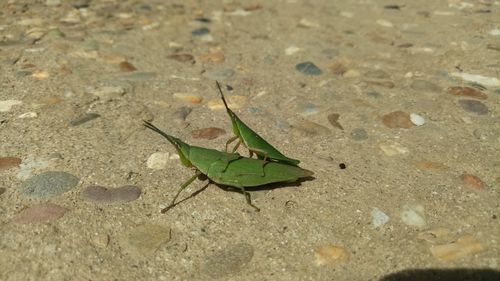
(404, 93)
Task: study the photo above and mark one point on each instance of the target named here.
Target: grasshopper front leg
(183, 186)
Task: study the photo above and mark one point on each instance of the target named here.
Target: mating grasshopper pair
(232, 169)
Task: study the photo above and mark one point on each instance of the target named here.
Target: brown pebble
(126, 66)
(338, 68)
(2, 190)
(102, 194)
(181, 57)
(468, 92)
(464, 246)
(330, 254)
(397, 119)
(9, 162)
(207, 133)
(333, 118)
(213, 57)
(40, 213)
(252, 7)
(187, 97)
(473, 182)
(429, 165)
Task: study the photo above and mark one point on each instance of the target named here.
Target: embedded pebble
(100, 240)
(187, 97)
(333, 118)
(29, 164)
(207, 133)
(397, 119)
(351, 73)
(474, 106)
(468, 92)
(84, 119)
(483, 80)
(437, 235)
(228, 261)
(429, 165)
(40, 74)
(126, 66)
(234, 102)
(413, 215)
(379, 218)
(308, 23)
(30, 114)
(158, 160)
(292, 50)
(385, 84)
(464, 246)
(48, 184)
(330, 255)
(308, 128)
(200, 31)
(216, 56)
(145, 239)
(473, 182)
(425, 86)
(359, 134)
(181, 57)
(416, 119)
(102, 194)
(384, 23)
(9, 162)
(393, 148)
(182, 113)
(338, 68)
(108, 92)
(487, 134)
(40, 213)
(219, 74)
(377, 74)
(6, 105)
(308, 68)
(308, 109)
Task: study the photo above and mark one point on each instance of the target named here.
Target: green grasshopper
(230, 169)
(253, 142)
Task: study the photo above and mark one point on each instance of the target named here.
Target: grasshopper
(230, 169)
(253, 142)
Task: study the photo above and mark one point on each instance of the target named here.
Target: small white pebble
(291, 50)
(347, 14)
(28, 115)
(417, 119)
(379, 218)
(158, 160)
(413, 215)
(6, 105)
(385, 23)
(495, 32)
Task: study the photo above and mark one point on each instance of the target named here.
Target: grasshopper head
(181, 147)
(234, 118)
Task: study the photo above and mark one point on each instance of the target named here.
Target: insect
(230, 169)
(253, 142)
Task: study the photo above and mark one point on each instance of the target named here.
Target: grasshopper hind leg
(183, 186)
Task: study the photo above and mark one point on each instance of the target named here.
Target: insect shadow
(270, 186)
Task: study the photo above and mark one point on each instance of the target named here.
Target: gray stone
(425, 86)
(83, 119)
(308, 68)
(228, 261)
(359, 134)
(219, 74)
(48, 184)
(474, 106)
